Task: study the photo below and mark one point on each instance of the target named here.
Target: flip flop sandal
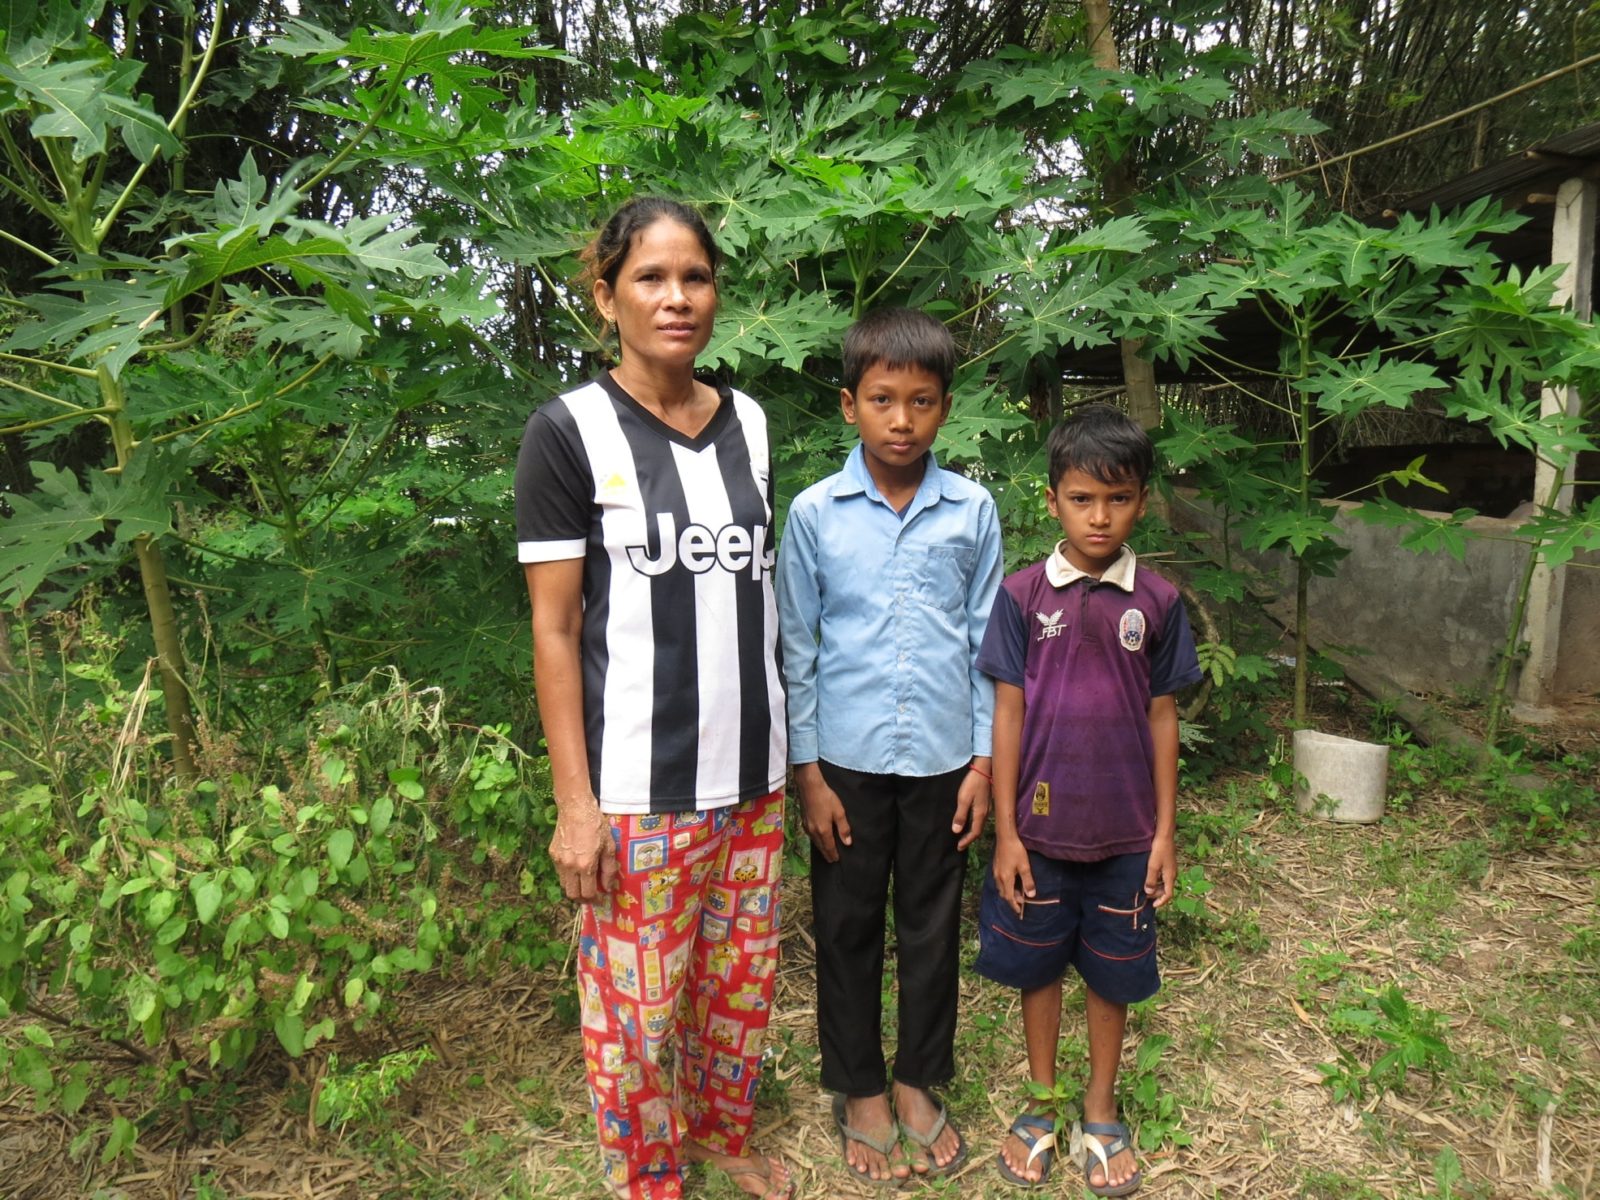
(1037, 1132)
(926, 1141)
(1104, 1140)
(885, 1146)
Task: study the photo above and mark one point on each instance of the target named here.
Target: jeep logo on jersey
(733, 548)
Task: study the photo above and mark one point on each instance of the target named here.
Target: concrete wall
(1427, 621)
(1578, 670)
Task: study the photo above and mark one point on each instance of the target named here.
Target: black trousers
(899, 828)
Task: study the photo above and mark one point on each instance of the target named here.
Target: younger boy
(1086, 649)
(885, 577)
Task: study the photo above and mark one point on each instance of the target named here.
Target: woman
(644, 523)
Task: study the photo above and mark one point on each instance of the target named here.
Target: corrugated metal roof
(1535, 172)
(1526, 182)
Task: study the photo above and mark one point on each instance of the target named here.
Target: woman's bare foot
(918, 1112)
(870, 1116)
(761, 1175)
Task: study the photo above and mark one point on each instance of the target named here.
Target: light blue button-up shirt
(881, 616)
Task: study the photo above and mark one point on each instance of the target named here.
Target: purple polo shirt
(1088, 655)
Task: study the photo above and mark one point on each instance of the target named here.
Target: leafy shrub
(185, 925)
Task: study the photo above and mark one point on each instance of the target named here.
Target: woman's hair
(1104, 442)
(603, 257)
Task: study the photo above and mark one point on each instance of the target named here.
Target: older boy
(1086, 649)
(885, 577)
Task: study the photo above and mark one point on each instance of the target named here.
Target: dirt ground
(1304, 918)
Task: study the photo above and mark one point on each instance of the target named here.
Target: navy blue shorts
(1092, 916)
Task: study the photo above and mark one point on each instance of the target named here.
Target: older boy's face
(899, 411)
(1096, 517)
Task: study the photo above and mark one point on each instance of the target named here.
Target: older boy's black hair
(899, 337)
(1104, 442)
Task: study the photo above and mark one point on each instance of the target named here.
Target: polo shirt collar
(1060, 572)
(855, 480)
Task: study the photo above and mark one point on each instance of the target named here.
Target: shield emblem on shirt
(1130, 630)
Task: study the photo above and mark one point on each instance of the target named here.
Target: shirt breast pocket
(945, 572)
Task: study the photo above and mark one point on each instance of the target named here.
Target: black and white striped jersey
(683, 695)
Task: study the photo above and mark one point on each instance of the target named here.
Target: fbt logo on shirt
(1051, 624)
(699, 548)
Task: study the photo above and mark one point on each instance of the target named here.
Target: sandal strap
(1035, 1123)
(926, 1140)
(1104, 1140)
(1110, 1137)
(886, 1145)
(1037, 1132)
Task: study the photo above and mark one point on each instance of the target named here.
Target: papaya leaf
(1014, 76)
(1424, 531)
(1188, 439)
(1299, 532)
(787, 332)
(1345, 387)
(220, 254)
(48, 524)
(314, 327)
(1560, 536)
(107, 323)
(1265, 135)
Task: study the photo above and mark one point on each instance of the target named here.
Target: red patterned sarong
(675, 975)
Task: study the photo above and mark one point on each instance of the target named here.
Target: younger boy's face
(1096, 517)
(898, 411)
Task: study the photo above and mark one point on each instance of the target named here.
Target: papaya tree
(1365, 317)
(232, 319)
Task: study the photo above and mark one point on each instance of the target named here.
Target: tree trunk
(157, 598)
(1116, 193)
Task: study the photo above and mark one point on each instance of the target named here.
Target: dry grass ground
(1498, 942)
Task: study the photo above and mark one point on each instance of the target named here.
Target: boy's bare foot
(870, 1117)
(918, 1112)
(1015, 1152)
(1121, 1166)
(761, 1175)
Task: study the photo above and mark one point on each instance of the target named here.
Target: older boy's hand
(1161, 876)
(972, 804)
(1013, 874)
(822, 813)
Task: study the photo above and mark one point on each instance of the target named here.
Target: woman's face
(665, 297)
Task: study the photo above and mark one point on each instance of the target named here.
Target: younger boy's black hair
(898, 338)
(1104, 442)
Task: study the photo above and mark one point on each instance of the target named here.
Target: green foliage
(210, 918)
(1413, 1035)
(1148, 1104)
(359, 1092)
(1450, 321)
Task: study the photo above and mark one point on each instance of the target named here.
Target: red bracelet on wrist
(981, 773)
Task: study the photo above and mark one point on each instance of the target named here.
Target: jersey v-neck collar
(699, 441)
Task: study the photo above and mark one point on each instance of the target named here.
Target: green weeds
(359, 1093)
(1413, 1035)
(250, 911)
(1148, 1104)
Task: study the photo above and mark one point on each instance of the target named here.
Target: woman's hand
(584, 853)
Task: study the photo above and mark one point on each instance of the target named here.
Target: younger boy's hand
(972, 804)
(1161, 876)
(1013, 874)
(822, 813)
